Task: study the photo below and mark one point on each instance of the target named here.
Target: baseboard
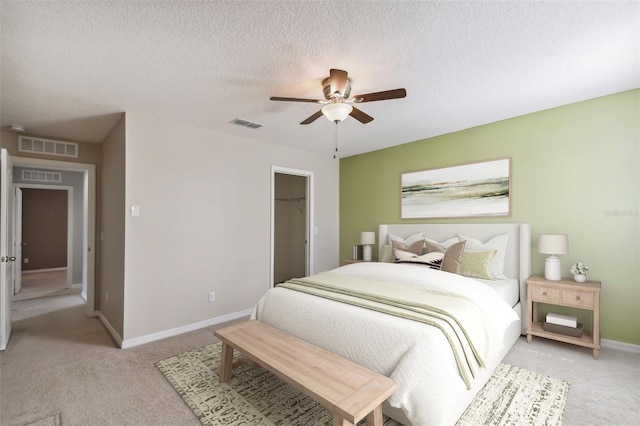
(622, 346)
(136, 341)
(37, 271)
(110, 328)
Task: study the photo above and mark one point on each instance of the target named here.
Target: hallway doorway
(45, 241)
(79, 181)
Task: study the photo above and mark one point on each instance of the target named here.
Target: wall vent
(41, 176)
(246, 123)
(47, 146)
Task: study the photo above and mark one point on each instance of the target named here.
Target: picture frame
(481, 189)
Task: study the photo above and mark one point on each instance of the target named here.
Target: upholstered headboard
(517, 259)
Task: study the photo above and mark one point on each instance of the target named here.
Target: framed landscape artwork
(468, 190)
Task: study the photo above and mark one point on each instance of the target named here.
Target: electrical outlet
(212, 296)
(26, 260)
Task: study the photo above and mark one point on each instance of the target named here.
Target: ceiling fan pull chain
(335, 138)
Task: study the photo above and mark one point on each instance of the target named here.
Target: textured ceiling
(69, 68)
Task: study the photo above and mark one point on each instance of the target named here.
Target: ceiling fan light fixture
(337, 111)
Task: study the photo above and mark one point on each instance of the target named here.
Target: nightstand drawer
(546, 294)
(577, 298)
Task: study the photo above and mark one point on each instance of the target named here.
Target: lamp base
(366, 253)
(552, 268)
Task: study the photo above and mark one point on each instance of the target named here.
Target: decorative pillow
(386, 254)
(408, 241)
(433, 260)
(477, 263)
(498, 243)
(417, 247)
(453, 258)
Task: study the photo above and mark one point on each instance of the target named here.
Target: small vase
(579, 278)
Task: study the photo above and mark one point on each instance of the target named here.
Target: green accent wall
(575, 171)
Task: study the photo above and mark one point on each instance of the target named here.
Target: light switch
(135, 210)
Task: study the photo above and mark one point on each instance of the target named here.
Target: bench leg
(339, 421)
(226, 362)
(374, 418)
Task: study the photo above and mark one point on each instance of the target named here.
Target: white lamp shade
(368, 238)
(337, 111)
(553, 244)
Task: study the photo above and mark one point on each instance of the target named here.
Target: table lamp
(367, 239)
(553, 245)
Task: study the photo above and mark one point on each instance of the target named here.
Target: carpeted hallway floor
(60, 361)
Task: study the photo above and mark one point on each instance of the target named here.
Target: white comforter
(415, 355)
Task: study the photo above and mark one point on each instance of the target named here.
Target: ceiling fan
(337, 88)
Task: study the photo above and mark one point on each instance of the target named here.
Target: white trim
(37, 271)
(136, 341)
(310, 234)
(621, 346)
(70, 227)
(89, 219)
(109, 328)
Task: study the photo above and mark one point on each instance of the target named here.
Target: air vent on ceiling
(47, 146)
(246, 123)
(41, 176)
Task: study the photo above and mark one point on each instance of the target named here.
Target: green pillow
(477, 263)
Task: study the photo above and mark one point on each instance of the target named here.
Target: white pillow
(386, 254)
(410, 239)
(498, 243)
(445, 244)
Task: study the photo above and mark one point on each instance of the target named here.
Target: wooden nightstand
(565, 292)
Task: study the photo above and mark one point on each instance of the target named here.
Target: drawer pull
(577, 297)
(544, 293)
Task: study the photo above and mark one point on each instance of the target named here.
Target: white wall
(204, 222)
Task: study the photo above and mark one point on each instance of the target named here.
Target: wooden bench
(347, 390)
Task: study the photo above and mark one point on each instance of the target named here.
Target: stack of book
(563, 324)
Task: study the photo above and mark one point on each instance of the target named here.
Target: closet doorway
(291, 224)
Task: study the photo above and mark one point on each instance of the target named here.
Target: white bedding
(415, 355)
(508, 290)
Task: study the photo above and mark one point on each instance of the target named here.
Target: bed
(435, 385)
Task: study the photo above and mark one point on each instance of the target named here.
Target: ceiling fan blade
(313, 118)
(381, 96)
(360, 116)
(278, 98)
(338, 80)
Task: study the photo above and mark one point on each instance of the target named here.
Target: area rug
(254, 396)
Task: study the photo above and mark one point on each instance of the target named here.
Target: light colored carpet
(253, 396)
(44, 284)
(53, 420)
(60, 360)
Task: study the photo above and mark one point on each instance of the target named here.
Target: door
(7, 259)
(17, 241)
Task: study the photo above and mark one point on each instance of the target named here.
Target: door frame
(89, 216)
(7, 262)
(17, 239)
(309, 235)
(70, 219)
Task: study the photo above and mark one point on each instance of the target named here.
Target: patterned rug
(253, 396)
